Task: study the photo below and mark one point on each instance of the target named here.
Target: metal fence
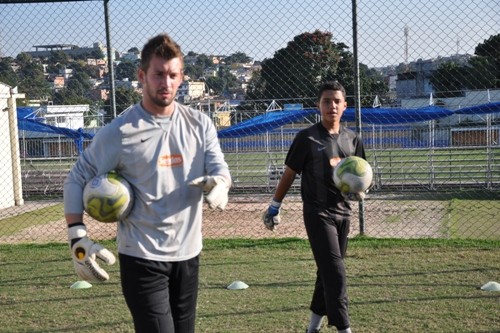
(437, 179)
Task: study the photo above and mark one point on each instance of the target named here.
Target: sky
(258, 28)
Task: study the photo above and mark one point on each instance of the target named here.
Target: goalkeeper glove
(217, 189)
(272, 215)
(84, 253)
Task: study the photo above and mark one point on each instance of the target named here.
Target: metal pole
(112, 95)
(357, 100)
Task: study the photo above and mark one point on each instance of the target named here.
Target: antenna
(407, 33)
(458, 45)
(1, 54)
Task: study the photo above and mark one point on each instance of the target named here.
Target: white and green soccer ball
(108, 197)
(353, 175)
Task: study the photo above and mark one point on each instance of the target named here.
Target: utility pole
(407, 34)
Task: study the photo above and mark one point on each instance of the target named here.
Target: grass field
(394, 286)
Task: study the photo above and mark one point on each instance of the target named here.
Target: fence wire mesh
(429, 82)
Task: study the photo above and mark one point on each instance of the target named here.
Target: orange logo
(170, 160)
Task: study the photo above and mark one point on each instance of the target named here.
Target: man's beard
(160, 102)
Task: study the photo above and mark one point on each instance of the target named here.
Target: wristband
(275, 203)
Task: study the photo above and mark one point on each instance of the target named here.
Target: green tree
(97, 54)
(223, 82)
(490, 52)
(238, 57)
(7, 74)
(58, 57)
(126, 70)
(124, 97)
(449, 80)
(295, 72)
(31, 79)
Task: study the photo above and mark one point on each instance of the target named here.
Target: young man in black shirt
(313, 154)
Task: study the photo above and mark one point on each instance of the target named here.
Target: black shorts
(161, 296)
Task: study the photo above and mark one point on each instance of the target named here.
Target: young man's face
(160, 82)
(332, 105)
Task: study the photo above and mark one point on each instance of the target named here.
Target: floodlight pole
(111, 70)
(357, 100)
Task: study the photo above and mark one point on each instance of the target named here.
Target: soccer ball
(108, 197)
(353, 175)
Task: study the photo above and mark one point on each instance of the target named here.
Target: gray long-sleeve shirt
(158, 156)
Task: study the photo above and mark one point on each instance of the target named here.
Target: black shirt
(310, 154)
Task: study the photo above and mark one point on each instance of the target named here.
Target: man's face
(332, 105)
(160, 82)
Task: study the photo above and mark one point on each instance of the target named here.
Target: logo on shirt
(170, 160)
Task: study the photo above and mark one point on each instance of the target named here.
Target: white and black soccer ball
(353, 175)
(108, 197)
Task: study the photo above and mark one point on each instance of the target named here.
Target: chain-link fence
(429, 100)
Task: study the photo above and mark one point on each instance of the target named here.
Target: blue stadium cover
(264, 123)
(27, 121)
(269, 121)
(480, 109)
(386, 116)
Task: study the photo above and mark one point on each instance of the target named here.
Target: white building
(68, 116)
(190, 90)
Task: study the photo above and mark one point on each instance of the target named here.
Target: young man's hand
(271, 216)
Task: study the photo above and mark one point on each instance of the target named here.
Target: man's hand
(271, 216)
(353, 196)
(84, 253)
(217, 188)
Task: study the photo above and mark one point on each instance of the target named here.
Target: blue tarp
(27, 121)
(264, 123)
(386, 116)
(480, 109)
(378, 116)
(275, 119)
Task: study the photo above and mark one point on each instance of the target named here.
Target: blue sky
(259, 27)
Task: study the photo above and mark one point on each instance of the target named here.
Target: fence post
(357, 102)
(112, 93)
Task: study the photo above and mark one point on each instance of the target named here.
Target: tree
(481, 72)
(448, 80)
(223, 82)
(31, 79)
(58, 57)
(490, 52)
(295, 72)
(7, 74)
(124, 97)
(97, 54)
(126, 70)
(237, 58)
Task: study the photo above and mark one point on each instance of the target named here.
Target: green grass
(11, 225)
(394, 286)
(473, 219)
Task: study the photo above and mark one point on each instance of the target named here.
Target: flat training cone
(237, 285)
(81, 285)
(491, 286)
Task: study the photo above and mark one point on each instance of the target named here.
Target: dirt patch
(243, 219)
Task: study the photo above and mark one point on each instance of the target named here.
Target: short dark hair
(331, 85)
(162, 46)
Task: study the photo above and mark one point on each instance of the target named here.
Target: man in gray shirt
(162, 148)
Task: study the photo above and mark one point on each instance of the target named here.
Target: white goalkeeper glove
(84, 253)
(217, 188)
(271, 216)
